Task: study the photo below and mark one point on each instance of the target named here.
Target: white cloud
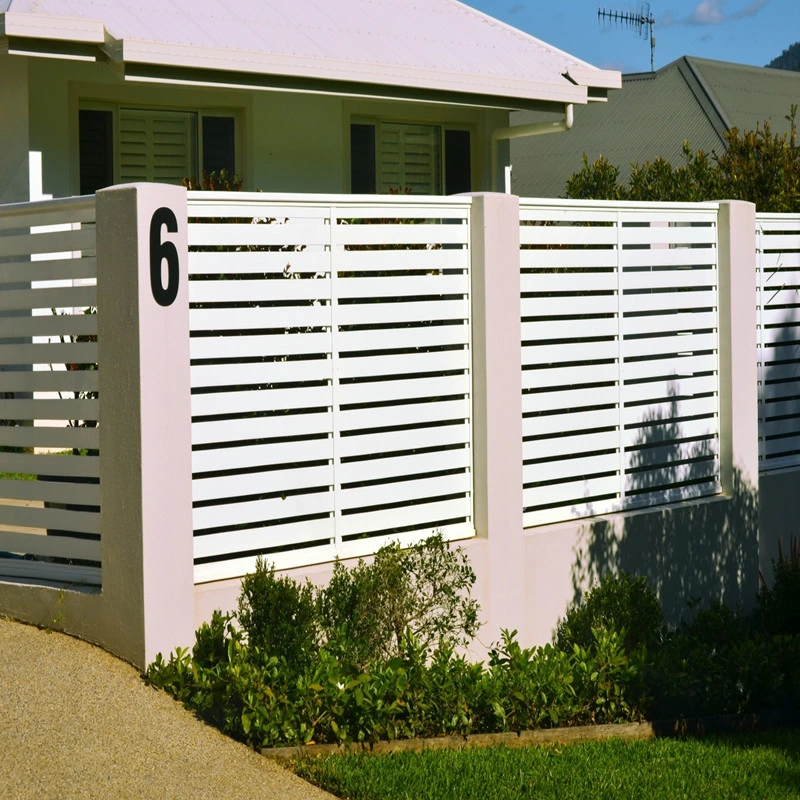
(709, 12)
(714, 12)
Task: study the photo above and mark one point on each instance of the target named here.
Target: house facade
(692, 100)
(282, 94)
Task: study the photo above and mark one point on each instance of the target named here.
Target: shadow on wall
(704, 549)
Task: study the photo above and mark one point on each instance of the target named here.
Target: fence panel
(49, 405)
(778, 243)
(331, 376)
(620, 357)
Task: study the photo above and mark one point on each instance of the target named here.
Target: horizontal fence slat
(62, 574)
(55, 465)
(62, 519)
(405, 490)
(69, 353)
(56, 269)
(255, 291)
(58, 297)
(87, 494)
(260, 538)
(50, 436)
(49, 242)
(547, 471)
(261, 428)
(415, 464)
(51, 380)
(51, 546)
(249, 484)
(227, 319)
(280, 508)
(260, 400)
(422, 515)
(58, 325)
(233, 458)
(49, 409)
(398, 441)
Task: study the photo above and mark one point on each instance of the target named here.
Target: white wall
(14, 130)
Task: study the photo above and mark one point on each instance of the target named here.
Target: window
(404, 157)
(122, 145)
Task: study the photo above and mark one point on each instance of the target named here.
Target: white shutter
(157, 145)
(409, 158)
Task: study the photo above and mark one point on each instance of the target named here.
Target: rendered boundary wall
(148, 602)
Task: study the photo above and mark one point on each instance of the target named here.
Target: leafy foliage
(221, 181)
(278, 616)
(278, 674)
(779, 605)
(366, 611)
(759, 166)
(620, 603)
(788, 59)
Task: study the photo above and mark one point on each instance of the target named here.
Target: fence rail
(620, 357)
(331, 376)
(778, 265)
(49, 406)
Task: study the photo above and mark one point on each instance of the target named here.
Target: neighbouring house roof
(691, 99)
(440, 47)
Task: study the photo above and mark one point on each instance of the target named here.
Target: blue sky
(742, 31)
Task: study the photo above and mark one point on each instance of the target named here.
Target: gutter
(518, 131)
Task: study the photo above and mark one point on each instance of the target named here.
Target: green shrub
(779, 605)
(621, 603)
(366, 611)
(278, 616)
(717, 663)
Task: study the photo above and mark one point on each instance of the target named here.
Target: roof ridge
(706, 97)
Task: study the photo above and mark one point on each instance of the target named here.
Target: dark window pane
(457, 172)
(95, 150)
(362, 159)
(219, 144)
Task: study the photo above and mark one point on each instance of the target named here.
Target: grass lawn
(762, 765)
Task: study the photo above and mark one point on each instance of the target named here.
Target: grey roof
(691, 99)
(434, 45)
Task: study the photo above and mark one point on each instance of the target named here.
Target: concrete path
(75, 722)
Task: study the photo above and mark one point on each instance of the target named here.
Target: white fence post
(143, 340)
(497, 405)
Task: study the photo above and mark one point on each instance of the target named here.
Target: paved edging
(695, 726)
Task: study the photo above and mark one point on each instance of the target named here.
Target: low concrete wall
(778, 517)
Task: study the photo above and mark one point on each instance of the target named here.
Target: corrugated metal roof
(691, 99)
(747, 96)
(346, 40)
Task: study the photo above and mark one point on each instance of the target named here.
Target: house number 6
(163, 251)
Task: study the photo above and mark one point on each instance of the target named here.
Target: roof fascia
(62, 29)
(595, 78)
(217, 79)
(384, 80)
(48, 48)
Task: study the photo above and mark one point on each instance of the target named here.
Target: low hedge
(612, 660)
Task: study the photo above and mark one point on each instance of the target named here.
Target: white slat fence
(331, 376)
(778, 263)
(620, 357)
(49, 407)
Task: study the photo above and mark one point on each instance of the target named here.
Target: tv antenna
(640, 21)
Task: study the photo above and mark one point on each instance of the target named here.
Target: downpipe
(519, 131)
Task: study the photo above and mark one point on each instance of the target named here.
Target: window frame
(115, 105)
(375, 121)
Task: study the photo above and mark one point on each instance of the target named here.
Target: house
(300, 96)
(691, 99)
